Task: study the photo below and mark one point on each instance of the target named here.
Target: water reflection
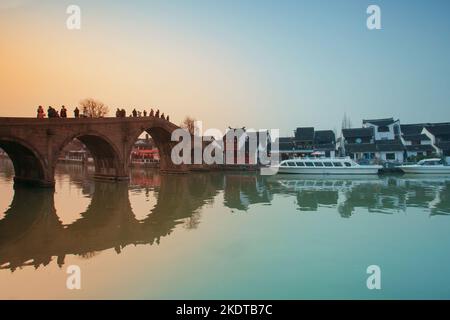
(32, 234)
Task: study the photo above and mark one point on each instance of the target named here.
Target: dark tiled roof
(325, 147)
(285, 143)
(380, 122)
(412, 129)
(420, 147)
(304, 134)
(390, 147)
(360, 147)
(411, 137)
(439, 129)
(324, 136)
(444, 145)
(386, 146)
(357, 132)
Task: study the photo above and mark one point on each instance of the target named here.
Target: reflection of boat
(291, 182)
(328, 166)
(427, 166)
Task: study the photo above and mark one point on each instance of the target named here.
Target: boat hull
(368, 170)
(425, 169)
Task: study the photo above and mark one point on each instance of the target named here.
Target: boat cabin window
(300, 164)
(328, 164)
(318, 164)
(347, 164)
(284, 164)
(337, 164)
(309, 164)
(291, 164)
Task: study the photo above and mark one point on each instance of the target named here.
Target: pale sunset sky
(259, 64)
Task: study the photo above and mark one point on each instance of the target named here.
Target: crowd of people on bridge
(120, 113)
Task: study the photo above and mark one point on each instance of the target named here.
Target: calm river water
(225, 235)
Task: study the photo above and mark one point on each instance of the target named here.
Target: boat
(427, 166)
(326, 166)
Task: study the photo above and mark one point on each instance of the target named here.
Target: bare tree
(93, 108)
(346, 122)
(189, 124)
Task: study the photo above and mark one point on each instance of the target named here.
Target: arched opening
(162, 140)
(28, 168)
(94, 156)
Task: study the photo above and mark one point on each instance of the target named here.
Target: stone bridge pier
(34, 145)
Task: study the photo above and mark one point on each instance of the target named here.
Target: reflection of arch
(28, 164)
(107, 159)
(32, 234)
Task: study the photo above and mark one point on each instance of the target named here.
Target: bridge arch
(29, 165)
(161, 132)
(107, 158)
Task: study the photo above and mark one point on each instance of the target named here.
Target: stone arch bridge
(34, 145)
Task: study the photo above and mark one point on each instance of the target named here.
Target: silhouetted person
(162, 116)
(167, 118)
(76, 112)
(152, 113)
(85, 112)
(134, 112)
(145, 113)
(118, 113)
(40, 113)
(63, 112)
(157, 113)
(50, 112)
(123, 113)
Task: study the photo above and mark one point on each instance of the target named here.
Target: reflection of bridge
(35, 237)
(34, 145)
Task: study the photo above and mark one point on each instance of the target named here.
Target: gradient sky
(260, 64)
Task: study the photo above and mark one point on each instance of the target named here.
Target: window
(347, 164)
(284, 164)
(300, 164)
(337, 164)
(328, 164)
(291, 164)
(309, 164)
(390, 156)
(318, 164)
(383, 129)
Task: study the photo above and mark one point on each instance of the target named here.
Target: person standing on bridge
(118, 113)
(167, 118)
(134, 112)
(145, 113)
(157, 113)
(76, 112)
(124, 113)
(152, 113)
(63, 112)
(162, 116)
(40, 113)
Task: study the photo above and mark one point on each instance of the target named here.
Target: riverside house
(377, 139)
(308, 142)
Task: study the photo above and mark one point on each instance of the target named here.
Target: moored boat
(326, 166)
(427, 166)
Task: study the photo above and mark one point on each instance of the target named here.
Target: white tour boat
(331, 166)
(427, 166)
